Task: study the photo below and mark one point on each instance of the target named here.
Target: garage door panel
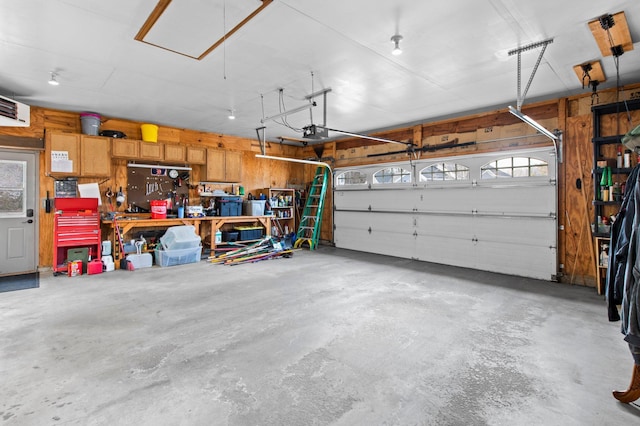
(442, 226)
(453, 200)
(393, 236)
(506, 225)
(449, 250)
(516, 259)
(515, 231)
(515, 199)
(379, 200)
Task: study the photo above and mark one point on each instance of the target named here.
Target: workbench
(204, 226)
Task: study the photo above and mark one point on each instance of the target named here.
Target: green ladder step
(311, 218)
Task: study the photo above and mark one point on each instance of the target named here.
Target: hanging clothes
(623, 274)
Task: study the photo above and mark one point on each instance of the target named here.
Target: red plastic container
(94, 267)
(158, 209)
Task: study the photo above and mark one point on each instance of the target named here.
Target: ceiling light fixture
(396, 42)
(52, 80)
(232, 115)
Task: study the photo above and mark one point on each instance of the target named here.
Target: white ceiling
(454, 59)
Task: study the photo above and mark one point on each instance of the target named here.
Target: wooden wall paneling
(198, 138)
(169, 134)
(129, 128)
(62, 121)
(45, 226)
(577, 234)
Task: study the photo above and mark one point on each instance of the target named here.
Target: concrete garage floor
(327, 337)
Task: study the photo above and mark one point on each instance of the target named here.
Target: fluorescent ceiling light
(157, 166)
(531, 122)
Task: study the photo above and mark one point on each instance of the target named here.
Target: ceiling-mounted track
(518, 51)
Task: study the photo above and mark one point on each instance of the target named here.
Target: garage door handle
(28, 221)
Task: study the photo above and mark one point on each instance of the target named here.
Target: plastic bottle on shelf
(619, 158)
(604, 193)
(627, 159)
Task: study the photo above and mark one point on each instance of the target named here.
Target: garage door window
(515, 167)
(444, 171)
(351, 177)
(392, 175)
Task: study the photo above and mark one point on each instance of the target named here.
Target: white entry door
(18, 212)
(491, 211)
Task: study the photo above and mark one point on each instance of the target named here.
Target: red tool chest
(76, 225)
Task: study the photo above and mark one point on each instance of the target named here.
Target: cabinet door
(196, 155)
(68, 146)
(174, 152)
(151, 151)
(124, 148)
(233, 166)
(215, 165)
(95, 156)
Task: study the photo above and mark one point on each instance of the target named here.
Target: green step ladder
(309, 227)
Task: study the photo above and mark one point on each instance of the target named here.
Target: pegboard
(145, 185)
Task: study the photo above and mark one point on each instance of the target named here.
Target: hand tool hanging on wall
(119, 198)
(109, 195)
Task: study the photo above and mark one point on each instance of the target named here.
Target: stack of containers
(179, 245)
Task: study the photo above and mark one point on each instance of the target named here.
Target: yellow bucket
(149, 132)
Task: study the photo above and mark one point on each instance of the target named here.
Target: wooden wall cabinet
(89, 155)
(224, 166)
(196, 155)
(95, 156)
(175, 152)
(68, 143)
(124, 148)
(151, 151)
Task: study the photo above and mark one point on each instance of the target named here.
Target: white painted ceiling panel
(454, 58)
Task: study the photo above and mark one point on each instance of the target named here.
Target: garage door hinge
(369, 229)
(474, 239)
(552, 247)
(553, 182)
(552, 215)
(474, 183)
(369, 207)
(415, 234)
(474, 211)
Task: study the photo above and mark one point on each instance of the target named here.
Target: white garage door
(493, 212)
